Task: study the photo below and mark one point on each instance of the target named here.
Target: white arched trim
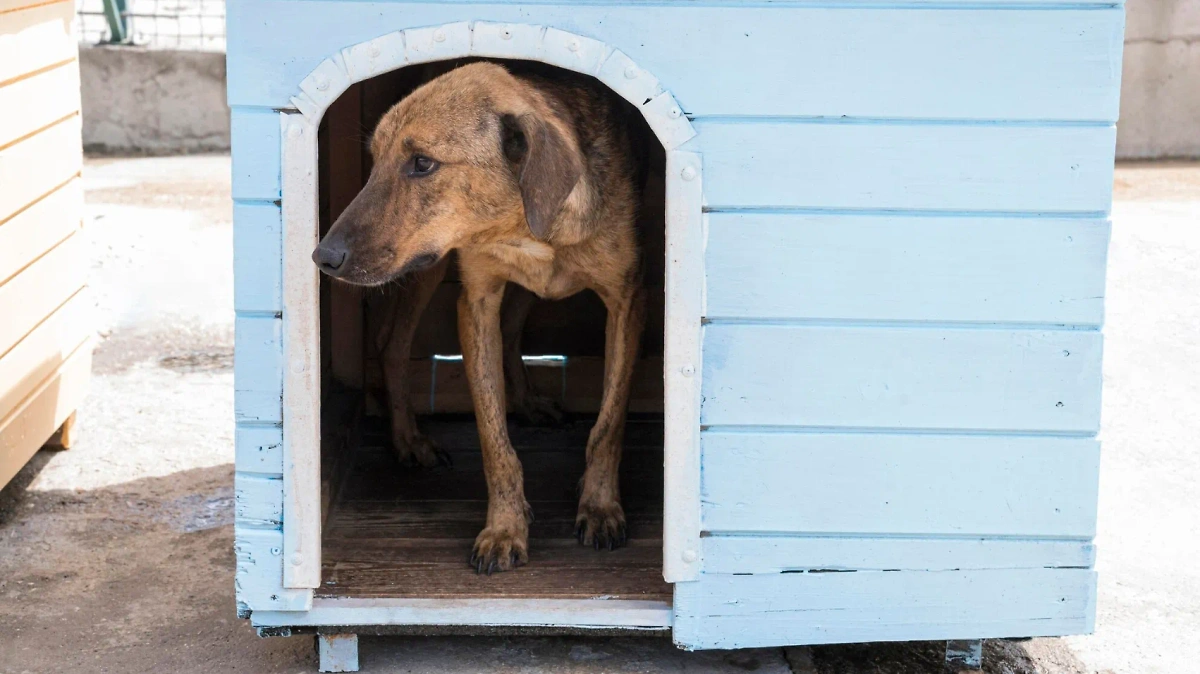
(301, 313)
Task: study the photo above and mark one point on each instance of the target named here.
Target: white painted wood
(259, 576)
(375, 57)
(914, 378)
(44, 350)
(302, 350)
(34, 293)
(896, 268)
(682, 366)
(730, 59)
(817, 608)
(833, 483)
(35, 38)
(258, 501)
(38, 101)
(899, 166)
(259, 450)
(580, 613)
(495, 40)
(573, 52)
(628, 79)
(780, 554)
(27, 172)
(27, 427)
(38, 228)
(301, 330)
(507, 40)
(431, 42)
(337, 652)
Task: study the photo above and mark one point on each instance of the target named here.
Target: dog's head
(472, 154)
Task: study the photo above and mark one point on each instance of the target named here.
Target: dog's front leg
(504, 542)
(601, 520)
(394, 343)
(526, 401)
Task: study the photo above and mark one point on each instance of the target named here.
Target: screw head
(439, 36)
(276, 551)
(298, 368)
(297, 560)
(688, 370)
(322, 83)
(689, 556)
(676, 113)
(295, 131)
(373, 50)
(574, 46)
(631, 73)
(506, 34)
(688, 173)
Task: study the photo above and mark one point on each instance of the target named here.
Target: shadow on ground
(138, 577)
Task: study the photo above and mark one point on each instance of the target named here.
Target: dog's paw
(499, 548)
(420, 452)
(601, 526)
(538, 410)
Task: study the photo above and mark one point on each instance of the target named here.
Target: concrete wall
(1160, 89)
(153, 101)
(157, 102)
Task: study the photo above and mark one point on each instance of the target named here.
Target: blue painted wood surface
(254, 134)
(923, 167)
(911, 485)
(726, 611)
(724, 554)
(259, 450)
(896, 268)
(905, 256)
(258, 369)
(915, 378)
(257, 257)
(726, 58)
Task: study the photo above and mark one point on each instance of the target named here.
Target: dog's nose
(329, 258)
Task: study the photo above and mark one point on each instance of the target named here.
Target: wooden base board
(404, 533)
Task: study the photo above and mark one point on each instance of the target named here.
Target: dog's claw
(602, 527)
(499, 549)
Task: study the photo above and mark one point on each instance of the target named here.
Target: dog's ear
(546, 167)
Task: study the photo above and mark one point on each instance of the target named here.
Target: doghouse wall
(904, 251)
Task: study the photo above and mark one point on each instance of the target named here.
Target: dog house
(45, 326)
(868, 408)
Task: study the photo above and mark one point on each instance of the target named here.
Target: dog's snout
(329, 258)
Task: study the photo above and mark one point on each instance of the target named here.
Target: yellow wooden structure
(45, 355)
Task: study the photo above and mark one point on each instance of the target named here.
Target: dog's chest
(535, 266)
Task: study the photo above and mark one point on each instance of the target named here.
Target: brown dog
(532, 180)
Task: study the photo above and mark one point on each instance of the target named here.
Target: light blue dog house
(885, 239)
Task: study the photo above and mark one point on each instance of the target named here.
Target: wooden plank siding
(44, 350)
(720, 59)
(902, 243)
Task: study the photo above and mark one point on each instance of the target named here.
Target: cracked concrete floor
(117, 555)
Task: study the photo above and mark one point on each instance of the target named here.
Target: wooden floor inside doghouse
(398, 532)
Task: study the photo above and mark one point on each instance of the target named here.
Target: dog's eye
(420, 166)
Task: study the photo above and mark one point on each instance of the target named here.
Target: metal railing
(157, 24)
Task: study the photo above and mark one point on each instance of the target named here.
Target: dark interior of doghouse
(392, 531)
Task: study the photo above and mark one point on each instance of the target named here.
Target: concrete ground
(116, 556)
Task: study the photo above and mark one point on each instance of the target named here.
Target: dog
(531, 180)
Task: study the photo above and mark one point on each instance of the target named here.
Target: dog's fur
(535, 183)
